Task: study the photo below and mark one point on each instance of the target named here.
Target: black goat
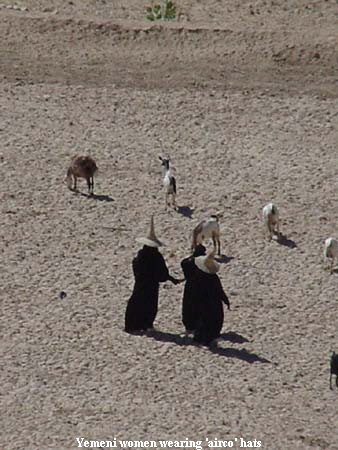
(334, 368)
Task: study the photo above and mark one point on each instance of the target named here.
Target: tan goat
(81, 167)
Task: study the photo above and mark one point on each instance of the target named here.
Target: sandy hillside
(244, 96)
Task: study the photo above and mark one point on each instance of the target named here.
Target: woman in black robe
(149, 270)
(209, 297)
(188, 304)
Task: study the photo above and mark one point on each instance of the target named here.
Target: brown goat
(81, 167)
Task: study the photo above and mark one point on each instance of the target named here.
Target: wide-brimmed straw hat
(151, 240)
(207, 263)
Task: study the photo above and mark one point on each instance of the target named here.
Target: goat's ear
(160, 158)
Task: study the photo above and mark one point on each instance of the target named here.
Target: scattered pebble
(14, 7)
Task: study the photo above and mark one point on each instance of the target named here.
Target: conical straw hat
(207, 263)
(151, 240)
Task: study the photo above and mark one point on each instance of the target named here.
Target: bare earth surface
(244, 96)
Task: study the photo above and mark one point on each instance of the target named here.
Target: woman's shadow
(242, 354)
(231, 336)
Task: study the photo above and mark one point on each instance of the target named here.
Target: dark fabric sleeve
(188, 267)
(220, 292)
(163, 272)
(160, 269)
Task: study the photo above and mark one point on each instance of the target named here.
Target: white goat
(271, 219)
(208, 228)
(169, 182)
(330, 252)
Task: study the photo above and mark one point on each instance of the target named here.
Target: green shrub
(166, 11)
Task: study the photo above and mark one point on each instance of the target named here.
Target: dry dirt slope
(247, 117)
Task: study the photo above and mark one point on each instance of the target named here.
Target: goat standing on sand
(331, 252)
(208, 228)
(334, 368)
(81, 167)
(271, 219)
(169, 182)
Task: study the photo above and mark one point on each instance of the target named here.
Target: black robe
(149, 270)
(210, 297)
(189, 298)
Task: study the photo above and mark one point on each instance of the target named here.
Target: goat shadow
(223, 259)
(242, 354)
(97, 197)
(186, 211)
(283, 240)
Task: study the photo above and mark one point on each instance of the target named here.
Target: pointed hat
(151, 240)
(207, 263)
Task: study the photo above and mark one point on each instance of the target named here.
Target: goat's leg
(92, 185)
(75, 183)
(174, 201)
(193, 243)
(331, 381)
(69, 182)
(269, 233)
(219, 246)
(169, 199)
(89, 185)
(166, 200)
(213, 236)
(332, 265)
(277, 228)
(337, 381)
(327, 263)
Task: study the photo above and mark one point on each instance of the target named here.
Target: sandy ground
(244, 97)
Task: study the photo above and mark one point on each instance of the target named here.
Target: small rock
(62, 295)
